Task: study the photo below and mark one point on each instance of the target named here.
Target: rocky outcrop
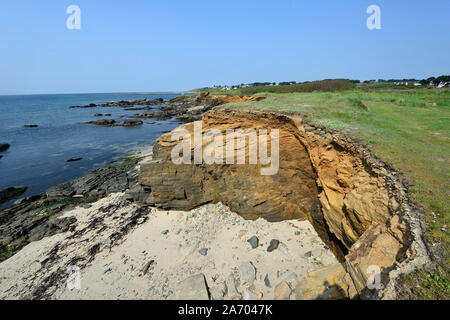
(138, 102)
(132, 123)
(289, 194)
(32, 218)
(185, 108)
(191, 107)
(100, 182)
(103, 122)
(112, 123)
(327, 283)
(356, 203)
(123, 103)
(10, 193)
(378, 249)
(4, 146)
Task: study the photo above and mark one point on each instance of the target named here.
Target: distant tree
(432, 80)
(442, 79)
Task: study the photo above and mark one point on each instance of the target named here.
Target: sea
(37, 156)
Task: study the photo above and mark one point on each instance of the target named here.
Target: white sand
(116, 272)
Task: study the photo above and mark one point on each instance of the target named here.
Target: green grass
(408, 129)
(431, 285)
(6, 252)
(329, 85)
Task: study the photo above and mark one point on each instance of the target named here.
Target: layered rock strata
(356, 204)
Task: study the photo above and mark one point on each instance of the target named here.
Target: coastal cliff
(357, 205)
(314, 230)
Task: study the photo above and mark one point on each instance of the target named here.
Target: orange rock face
(289, 194)
(351, 199)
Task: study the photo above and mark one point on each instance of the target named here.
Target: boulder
(254, 242)
(30, 126)
(11, 193)
(193, 288)
(273, 245)
(4, 146)
(247, 273)
(132, 123)
(375, 252)
(91, 105)
(330, 282)
(232, 292)
(282, 291)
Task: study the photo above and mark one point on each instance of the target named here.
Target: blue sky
(178, 45)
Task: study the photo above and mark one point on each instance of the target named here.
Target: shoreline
(127, 250)
(141, 199)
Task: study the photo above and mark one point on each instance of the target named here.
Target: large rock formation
(289, 194)
(352, 199)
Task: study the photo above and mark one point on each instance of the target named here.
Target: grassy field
(408, 129)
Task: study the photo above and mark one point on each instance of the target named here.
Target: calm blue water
(37, 156)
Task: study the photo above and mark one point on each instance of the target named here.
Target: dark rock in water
(254, 242)
(138, 102)
(91, 105)
(10, 193)
(103, 122)
(1, 156)
(144, 115)
(150, 122)
(140, 108)
(107, 114)
(73, 159)
(267, 281)
(98, 115)
(132, 123)
(4, 146)
(273, 245)
(30, 126)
